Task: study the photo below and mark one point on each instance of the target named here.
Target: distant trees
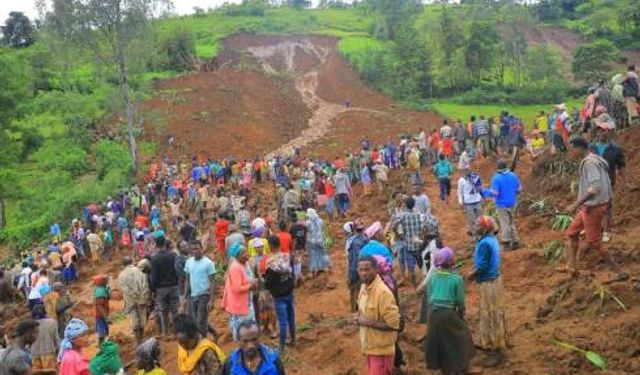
(18, 31)
(480, 49)
(629, 16)
(299, 3)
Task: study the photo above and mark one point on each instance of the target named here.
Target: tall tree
(18, 31)
(591, 60)
(110, 28)
(449, 39)
(629, 16)
(480, 49)
(391, 15)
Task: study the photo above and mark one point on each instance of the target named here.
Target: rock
(331, 285)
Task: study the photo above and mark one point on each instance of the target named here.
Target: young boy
(101, 296)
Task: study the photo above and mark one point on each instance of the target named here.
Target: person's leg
(283, 321)
(606, 223)
(503, 219)
(402, 257)
(573, 232)
(513, 232)
(291, 316)
(161, 304)
(173, 304)
(442, 187)
(593, 219)
(203, 314)
(413, 260)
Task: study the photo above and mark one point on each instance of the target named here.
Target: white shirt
(466, 194)
(445, 131)
(422, 140)
(465, 161)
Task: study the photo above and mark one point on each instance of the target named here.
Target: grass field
(526, 112)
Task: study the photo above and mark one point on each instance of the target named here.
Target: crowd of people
(190, 227)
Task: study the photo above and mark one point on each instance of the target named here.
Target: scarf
(188, 362)
(385, 270)
(107, 361)
(74, 329)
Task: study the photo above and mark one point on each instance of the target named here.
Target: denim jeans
(199, 312)
(167, 300)
(343, 202)
(286, 318)
(445, 188)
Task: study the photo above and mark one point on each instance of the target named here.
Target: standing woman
(449, 347)
(318, 257)
(72, 360)
(239, 281)
(492, 335)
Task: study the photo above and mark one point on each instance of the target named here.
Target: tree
(300, 4)
(393, 14)
(480, 49)
(112, 29)
(544, 66)
(629, 17)
(449, 39)
(18, 31)
(591, 60)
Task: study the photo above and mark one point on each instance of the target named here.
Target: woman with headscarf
(318, 258)
(375, 246)
(449, 347)
(72, 360)
(492, 335)
(148, 358)
(237, 300)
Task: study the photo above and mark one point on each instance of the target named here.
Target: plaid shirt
(414, 226)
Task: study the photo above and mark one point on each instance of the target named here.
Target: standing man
(16, 359)
(469, 198)
(135, 293)
(199, 286)
(343, 191)
(164, 284)
(252, 357)
(594, 195)
(378, 318)
(422, 204)
(505, 187)
(614, 156)
(631, 91)
(412, 225)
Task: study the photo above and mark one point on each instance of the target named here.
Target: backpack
(475, 181)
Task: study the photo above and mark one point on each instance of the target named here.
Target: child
(101, 296)
(365, 177)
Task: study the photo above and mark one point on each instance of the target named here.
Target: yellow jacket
(376, 302)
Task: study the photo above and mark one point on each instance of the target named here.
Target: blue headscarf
(74, 329)
(235, 249)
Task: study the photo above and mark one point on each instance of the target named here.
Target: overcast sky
(180, 6)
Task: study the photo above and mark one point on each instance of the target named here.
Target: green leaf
(596, 359)
(567, 346)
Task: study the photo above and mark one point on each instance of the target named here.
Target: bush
(111, 156)
(256, 8)
(56, 156)
(179, 48)
(481, 96)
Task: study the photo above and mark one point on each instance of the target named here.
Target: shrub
(179, 48)
(111, 156)
(56, 156)
(256, 8)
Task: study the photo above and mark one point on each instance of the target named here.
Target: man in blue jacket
(252, 357)
(505, 187)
